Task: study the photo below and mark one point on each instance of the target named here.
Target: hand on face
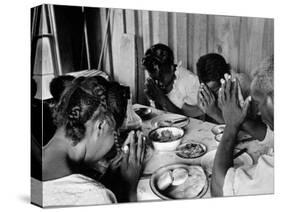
(233, 113)
(132, 162)
(152, 90)
(206, 100)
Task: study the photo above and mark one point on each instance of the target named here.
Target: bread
(191, 187)
(165, 180)
(180, 175)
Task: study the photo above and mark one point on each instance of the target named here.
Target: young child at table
(172, 87)
(211, 68)
(85, 133)
(247, 180)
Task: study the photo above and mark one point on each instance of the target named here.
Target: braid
(77, 106)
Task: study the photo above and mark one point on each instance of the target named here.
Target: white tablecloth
(198, 131)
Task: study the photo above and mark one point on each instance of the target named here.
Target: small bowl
(218, 129)
(143, 112)
(169, 144)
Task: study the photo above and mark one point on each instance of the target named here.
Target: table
(196, 130)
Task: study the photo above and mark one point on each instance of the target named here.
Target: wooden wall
(243, 41)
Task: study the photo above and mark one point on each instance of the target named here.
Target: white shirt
(71, 190)
(185, 87)
(255, 179)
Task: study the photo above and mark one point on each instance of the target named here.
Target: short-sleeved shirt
(185, 87)
(255, 179)
(71, 190)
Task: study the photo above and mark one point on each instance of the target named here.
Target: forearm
(129, 193)
(223, 160)
(256, 129)
(191, 110)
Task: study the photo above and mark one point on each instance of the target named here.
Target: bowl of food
(166, 138)
(179, 181)
(191, 150)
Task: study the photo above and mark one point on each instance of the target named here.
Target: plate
(194, 146)
(159, 172)
(208, 160)
(164, 120)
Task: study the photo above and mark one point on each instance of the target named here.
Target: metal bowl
(156, 175)
(169, 145)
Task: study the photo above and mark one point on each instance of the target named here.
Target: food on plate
(192, 186)
(164, 136)
(180, 183)
(165, 180)
(180, 175)
(172, 177)
(191, 150)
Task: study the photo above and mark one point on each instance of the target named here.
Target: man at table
(211, 68)
(259, 178)
(172, 87)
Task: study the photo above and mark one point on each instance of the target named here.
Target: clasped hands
(130, 161)
(233, 106)
(153, 91)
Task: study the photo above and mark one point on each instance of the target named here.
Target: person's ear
(100, 126)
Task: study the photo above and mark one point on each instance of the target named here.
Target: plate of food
(166, 138)
(208, 160)
(179, 181)
(191, 150)
(166, 120)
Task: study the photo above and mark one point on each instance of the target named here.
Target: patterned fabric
(73, 190)
(185, 88)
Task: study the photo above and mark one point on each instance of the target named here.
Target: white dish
(168, 145)
(161, 119)
(207, 161)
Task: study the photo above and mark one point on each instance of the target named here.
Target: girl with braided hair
(85, 133)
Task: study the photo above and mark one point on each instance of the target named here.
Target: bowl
(218, 129)
(154, 181)
(191, 150)
(166, 138)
